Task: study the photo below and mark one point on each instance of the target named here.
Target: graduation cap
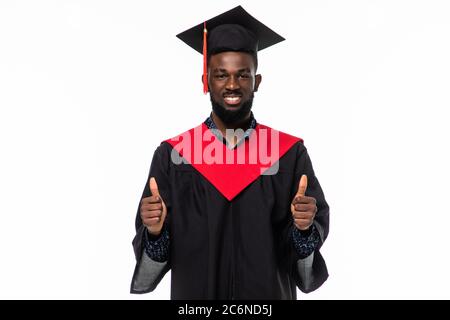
(233, 30)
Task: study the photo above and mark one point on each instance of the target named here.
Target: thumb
(153, 187)
(302, 185)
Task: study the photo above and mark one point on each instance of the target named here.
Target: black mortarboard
(234, 30)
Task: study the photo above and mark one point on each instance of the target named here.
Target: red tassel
(205, 60)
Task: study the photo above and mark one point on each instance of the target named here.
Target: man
(232, 207)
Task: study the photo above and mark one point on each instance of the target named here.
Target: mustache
(232, 93)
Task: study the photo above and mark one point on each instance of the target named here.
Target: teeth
(232, 99)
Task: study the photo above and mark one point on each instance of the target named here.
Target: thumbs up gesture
(153, 210)
(303, 208)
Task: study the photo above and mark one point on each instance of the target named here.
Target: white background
(88, 89)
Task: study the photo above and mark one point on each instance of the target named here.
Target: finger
(302, 185)
(154, 214)
(151, 214)
(304, 199)
(146, 217)
(303, 214)
(299, 217)
(305, 207)
(153, 187)
(145, 201)
(149, 200)
(152, 221)
(152, 206)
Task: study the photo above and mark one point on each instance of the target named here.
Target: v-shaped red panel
(230, 171)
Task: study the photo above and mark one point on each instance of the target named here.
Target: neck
(243, 124)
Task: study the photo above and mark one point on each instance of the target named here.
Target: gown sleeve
(310, 272)
(148, 272)
(305, 242)
(157, 248)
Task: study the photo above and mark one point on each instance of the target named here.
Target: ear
(258, 79)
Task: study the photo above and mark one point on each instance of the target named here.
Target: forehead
(232, 60)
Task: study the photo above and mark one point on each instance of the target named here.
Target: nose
(232, 83)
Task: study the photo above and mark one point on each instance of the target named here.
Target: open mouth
(232, 99)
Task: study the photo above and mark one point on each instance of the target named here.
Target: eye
(220, 76)
(244, 75)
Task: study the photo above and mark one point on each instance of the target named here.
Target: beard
(231, 117)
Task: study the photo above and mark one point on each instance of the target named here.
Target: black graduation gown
(238, 249)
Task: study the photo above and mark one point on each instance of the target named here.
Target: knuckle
(156, 213)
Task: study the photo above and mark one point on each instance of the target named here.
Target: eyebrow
(224, 70)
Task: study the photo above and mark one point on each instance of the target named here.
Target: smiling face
(232, 82)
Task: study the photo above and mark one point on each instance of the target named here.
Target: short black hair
(252, 53)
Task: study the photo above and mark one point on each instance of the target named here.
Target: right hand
(303, 208)
(153, 210)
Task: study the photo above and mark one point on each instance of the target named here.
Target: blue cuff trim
(305, 242)
(157, 249)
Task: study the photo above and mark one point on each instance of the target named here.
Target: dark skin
(232, 80)
(303, 208)
(232, 74)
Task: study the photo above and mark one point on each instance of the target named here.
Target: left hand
(303, 208)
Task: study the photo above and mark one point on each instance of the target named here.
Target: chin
(232, 107)
(231, 113)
